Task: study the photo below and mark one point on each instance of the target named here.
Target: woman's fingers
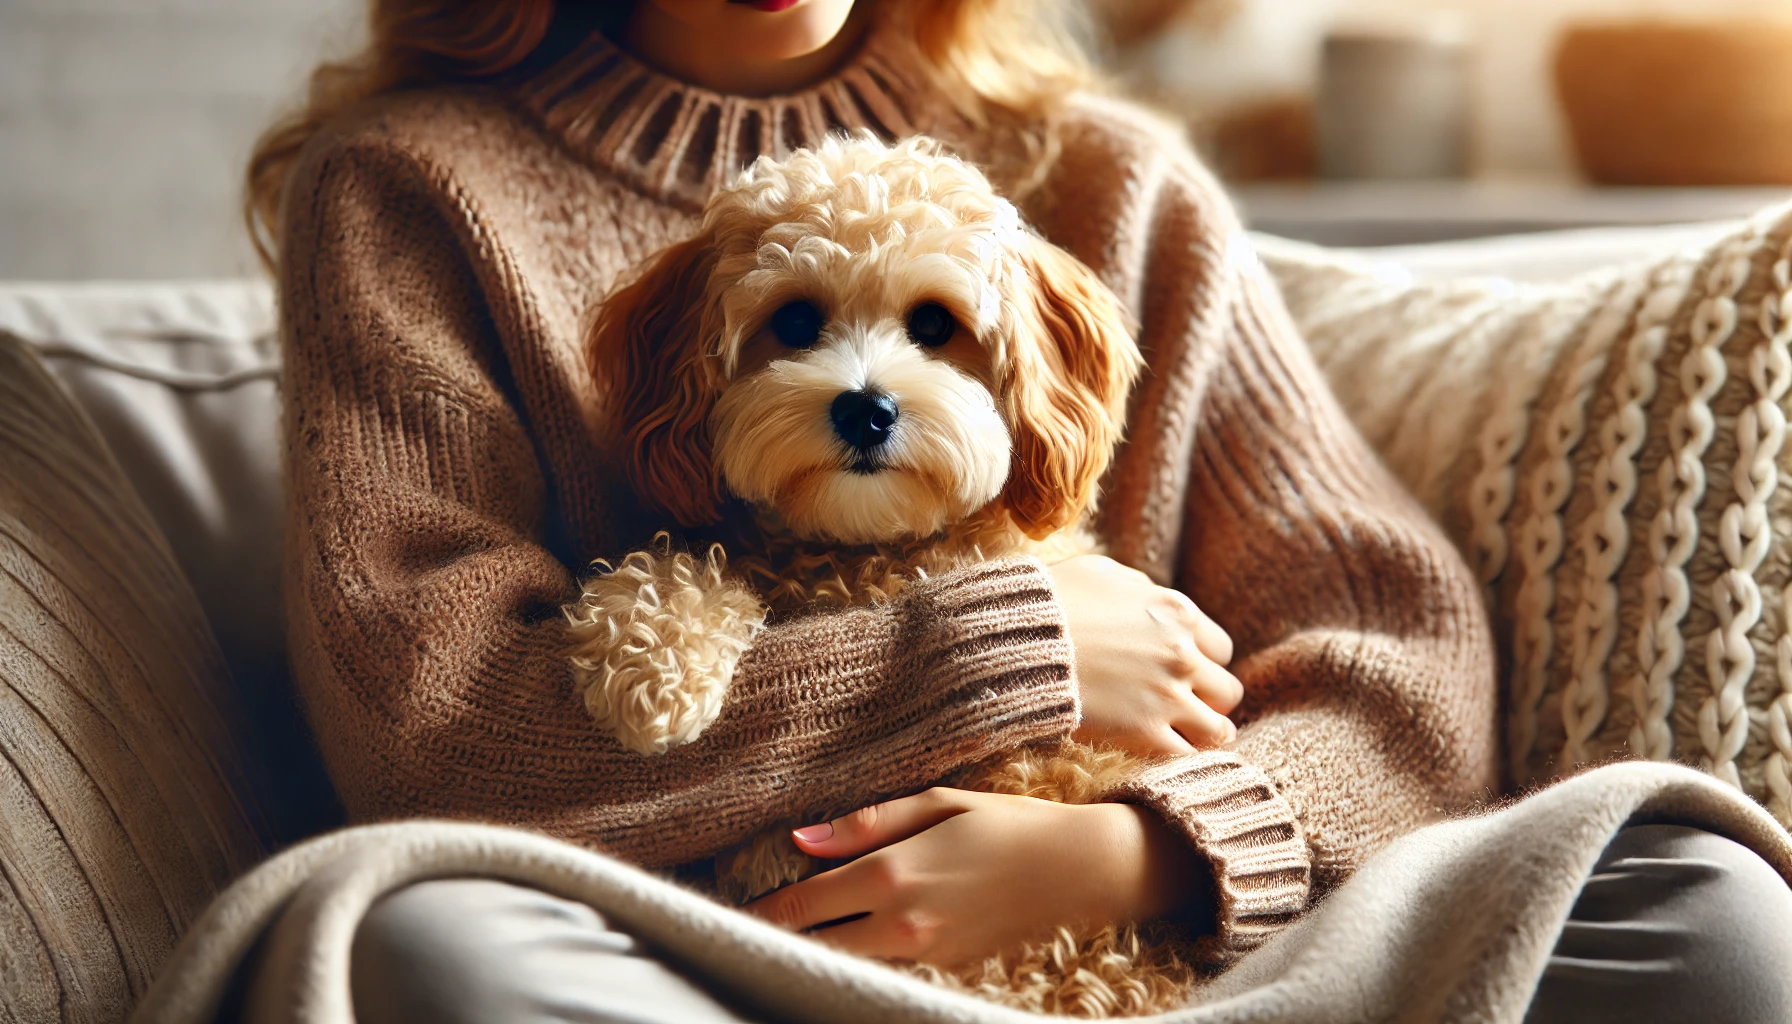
(885, 935)
(1169, 742)
(1217, 688)
(1214, 642)
(879, 825)
(1202, 726)
(829, 896)
(1200, 655)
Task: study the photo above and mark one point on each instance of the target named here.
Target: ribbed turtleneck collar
(679, 142)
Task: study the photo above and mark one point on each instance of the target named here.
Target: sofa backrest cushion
(181, 380)
(1611, 453)
(126, 796)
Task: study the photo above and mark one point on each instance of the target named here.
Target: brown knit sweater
(447, 481)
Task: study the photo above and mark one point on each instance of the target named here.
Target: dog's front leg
(654, 644)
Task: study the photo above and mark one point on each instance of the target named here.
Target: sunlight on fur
(655, 641)
(724, 364)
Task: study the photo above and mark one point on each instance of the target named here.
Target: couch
(160, 648)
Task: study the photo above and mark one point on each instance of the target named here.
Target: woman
(445, 212)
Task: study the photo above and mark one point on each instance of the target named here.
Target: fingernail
(1231, 730)
(815, 833)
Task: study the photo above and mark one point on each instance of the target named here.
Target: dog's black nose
(863, 418)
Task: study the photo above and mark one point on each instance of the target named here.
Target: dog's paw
(654, 644)
(769, 861)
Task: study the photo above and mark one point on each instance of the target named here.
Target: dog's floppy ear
(1072, 368)
(647, 353)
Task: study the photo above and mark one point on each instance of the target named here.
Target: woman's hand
(1150, 666)
(947, 876)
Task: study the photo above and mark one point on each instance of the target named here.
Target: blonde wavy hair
(994, 57)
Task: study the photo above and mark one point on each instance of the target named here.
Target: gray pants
(473, 951)
(1674, 925)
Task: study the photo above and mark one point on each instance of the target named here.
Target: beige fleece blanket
(1452, 923)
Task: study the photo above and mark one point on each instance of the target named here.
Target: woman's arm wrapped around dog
(442, 478)
(1360, 637)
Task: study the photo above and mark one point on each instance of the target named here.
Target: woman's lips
(768, 6)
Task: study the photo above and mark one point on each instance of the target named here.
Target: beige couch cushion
(125, 799)
(1607, 451)
(181, 379)
(1542, 258)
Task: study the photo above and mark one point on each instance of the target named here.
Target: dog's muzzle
(863, 419)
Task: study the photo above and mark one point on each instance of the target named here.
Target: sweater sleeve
(1360, 637)
(423, 598)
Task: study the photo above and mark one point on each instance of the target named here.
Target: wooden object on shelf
(1680, 101)
(1129, 22)
(1270, 140)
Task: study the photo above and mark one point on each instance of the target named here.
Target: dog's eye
(930, 324)
(797, 324)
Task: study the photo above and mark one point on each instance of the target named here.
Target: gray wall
(124, 125)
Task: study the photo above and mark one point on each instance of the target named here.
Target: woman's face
(760, 31)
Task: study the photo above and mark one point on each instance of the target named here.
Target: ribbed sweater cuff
(1231, 813)
(995, 645)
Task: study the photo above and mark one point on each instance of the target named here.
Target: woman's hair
(993, 56)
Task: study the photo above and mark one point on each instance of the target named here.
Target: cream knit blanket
(1452, 923)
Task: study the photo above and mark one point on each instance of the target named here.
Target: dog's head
(866, 340)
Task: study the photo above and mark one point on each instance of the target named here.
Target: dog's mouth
(866, 464)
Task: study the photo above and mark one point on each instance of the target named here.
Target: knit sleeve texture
(438, 462)
(1360, 636)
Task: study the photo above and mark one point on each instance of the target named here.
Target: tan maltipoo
(862, 369)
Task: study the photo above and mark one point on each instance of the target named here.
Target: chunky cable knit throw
(447, 482)
(1608, 452)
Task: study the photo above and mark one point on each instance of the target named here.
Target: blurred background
(1372, 122)
(124, 126)
(124, 123)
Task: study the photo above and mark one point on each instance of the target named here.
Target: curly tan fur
(794, 575)
(769, 861)
(655, 641)
(1113, 972)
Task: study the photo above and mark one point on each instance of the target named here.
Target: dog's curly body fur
(999, 431)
